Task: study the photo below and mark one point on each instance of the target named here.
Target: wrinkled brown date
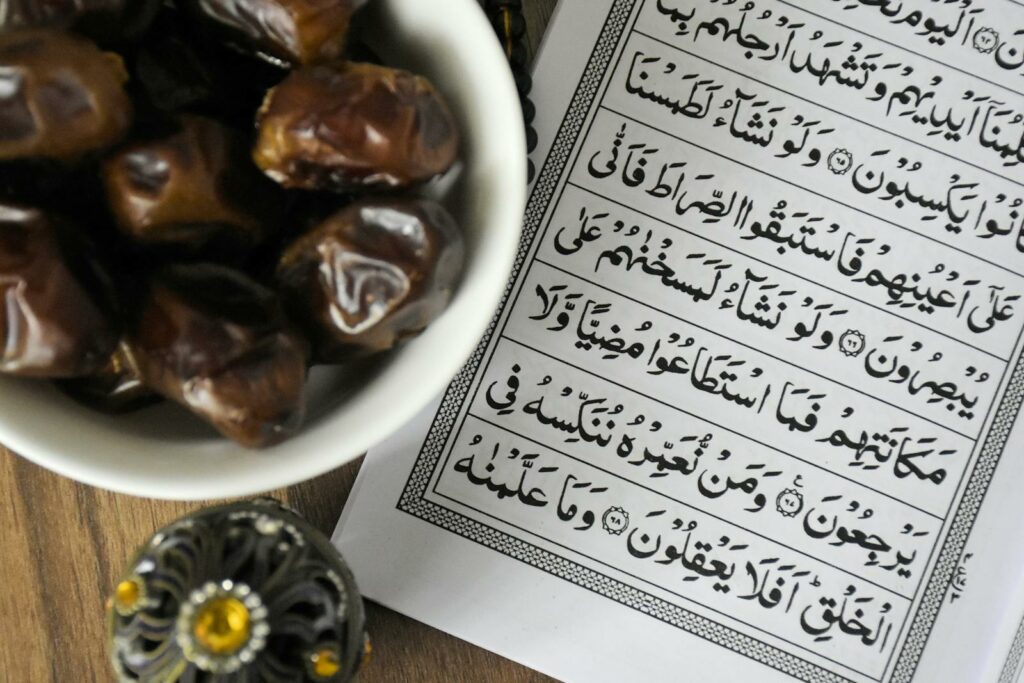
(189, 188)
(293, 31)
(116, 388)
(354, 126)
(50, 326)
(60, 96)
(372, 274)
(97, 18)
(219, 344)
(188, 185)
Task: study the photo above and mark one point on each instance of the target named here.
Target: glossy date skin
(216, 342)
(116, 388)
(60, 96)
(190, 188)
(355, 127)
(154, 153)
(288, 31)
(100, 19)
(51, 326)
(372, 274)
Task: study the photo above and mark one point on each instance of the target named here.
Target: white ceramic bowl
(164, 452)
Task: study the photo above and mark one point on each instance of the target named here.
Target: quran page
(749, 409)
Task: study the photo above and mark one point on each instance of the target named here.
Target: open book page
(748, 411)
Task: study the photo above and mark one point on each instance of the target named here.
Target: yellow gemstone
(367, 652)
(326, 663)
(222, 625)
(127, 594)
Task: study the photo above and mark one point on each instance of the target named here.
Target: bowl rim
(506, 214)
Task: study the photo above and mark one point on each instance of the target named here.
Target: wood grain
(63, 544)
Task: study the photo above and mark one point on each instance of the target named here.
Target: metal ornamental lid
(242, 592)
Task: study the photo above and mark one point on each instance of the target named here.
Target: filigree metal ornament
(238, 593)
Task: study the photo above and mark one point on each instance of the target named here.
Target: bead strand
(507, 19)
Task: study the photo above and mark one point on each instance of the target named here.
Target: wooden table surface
(63, 544)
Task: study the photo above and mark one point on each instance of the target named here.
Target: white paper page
(747, 412)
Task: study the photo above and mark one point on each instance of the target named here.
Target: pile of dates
(200, 199)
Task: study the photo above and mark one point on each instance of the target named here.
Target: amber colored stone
(127, 594)
(367, 653)
(326, 663)
(222, 625)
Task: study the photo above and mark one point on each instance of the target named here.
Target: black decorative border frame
(1012, 665)
(960, 530)
(412, 500)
